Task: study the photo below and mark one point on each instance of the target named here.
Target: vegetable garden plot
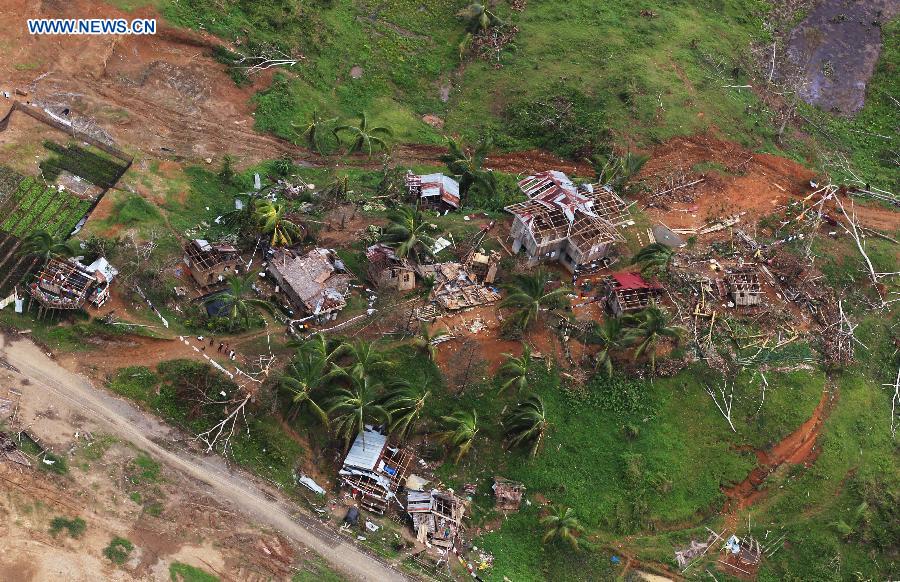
(85, 162)
(29, 205)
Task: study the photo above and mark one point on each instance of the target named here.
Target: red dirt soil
(797, 448)
(755, 184)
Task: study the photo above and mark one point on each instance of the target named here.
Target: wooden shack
(374, 471)
(744, 287)
(387, 270)
(627, 292)
(436, 515)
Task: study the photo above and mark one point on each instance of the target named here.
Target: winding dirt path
(797, 448)
(254, 499)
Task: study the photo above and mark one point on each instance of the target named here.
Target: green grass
(180, 572)
(316, 570)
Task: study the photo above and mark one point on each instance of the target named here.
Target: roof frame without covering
(210, 255)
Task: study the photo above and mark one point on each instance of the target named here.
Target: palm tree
(646, 329)
(470, 168)
(462, 428)
(405, 404)
(609, 337)
(243, 219)
(363, 135)
(305, 375)
(563, 525)
(478, 18)
(516, 370)
(365, 359)
(426, 340)
(407, 232)
(355, 406)
(236, 301)
(527, 424)
(314, 129)
(528, 295)
(318, 346)
(614, 171)
(41, 245)
(272, 222)
(654, 257)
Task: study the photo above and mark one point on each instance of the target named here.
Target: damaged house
(434, 190)
(573, 225)
(68, 284)
(210, 263)
(743, 287)
(508, 494)
(436, 516)
(316, 283)
(387, 270)
(629, 292)
(374, 471)
(456, 287)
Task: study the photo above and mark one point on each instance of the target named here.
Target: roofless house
(574, 225)
(629, 292)
(67, 284)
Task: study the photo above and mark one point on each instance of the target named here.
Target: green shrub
(118, 550)
(180, 572)
(74, 526)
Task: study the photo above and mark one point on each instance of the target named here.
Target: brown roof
(313, 278)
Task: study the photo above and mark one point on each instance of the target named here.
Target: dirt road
(127, 422)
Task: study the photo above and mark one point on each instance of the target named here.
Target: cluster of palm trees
(643, 331)
(361, 136)
(341, 384)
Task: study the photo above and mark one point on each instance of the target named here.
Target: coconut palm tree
(364, 136)
(405, 403)
(478, 18)
(408, 233)
(304, 377)
(655, 257)
(609, 337)
(237, 301)
(645, 331)
(613, 171)
(356, 405)
(515, 371)
(562, 525)
(462, 428)
(365, 359)
(313, 131)
(528, 295)
(318, 346)
(425, 341)
(41, 245)
(527, 424)
(272, 221)
(470, 168)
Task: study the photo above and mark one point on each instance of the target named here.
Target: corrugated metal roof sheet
(634, 281)
(366, 450)
(440, 185)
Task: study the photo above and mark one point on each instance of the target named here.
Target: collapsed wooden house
(434, 190)
(316, 283)
(68, 284)
(456, 287)
(210, 263)
(508, 494)
(374, 471)
(387, 270)
(744, 287)
(436, 515)
(484, 266)
(627, 292)
(573, 225)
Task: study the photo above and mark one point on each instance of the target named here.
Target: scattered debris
(436, 516)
